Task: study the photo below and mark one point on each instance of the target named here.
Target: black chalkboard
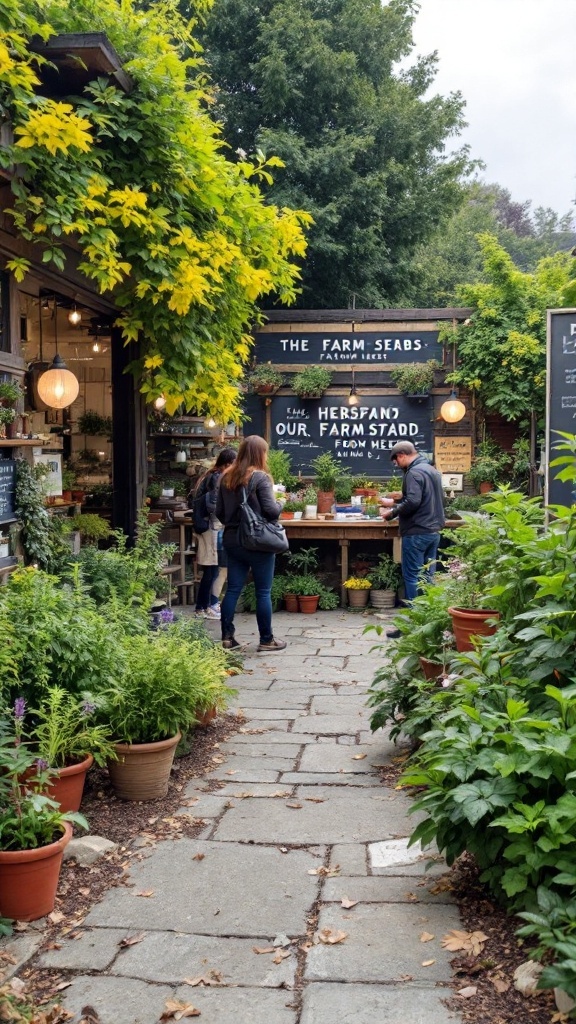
(7, 489)
(561, 403)
(360, 436)
(369, 348)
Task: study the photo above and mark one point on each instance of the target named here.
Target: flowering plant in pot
(68, 741)
(33, 828)
(358, 590)
(466, 587)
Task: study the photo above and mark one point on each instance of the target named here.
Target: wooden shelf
(189, 437)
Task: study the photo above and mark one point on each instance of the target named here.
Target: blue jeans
(204, 598)
(240, 562)
(418, 550)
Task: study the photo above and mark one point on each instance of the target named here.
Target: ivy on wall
(177, 233)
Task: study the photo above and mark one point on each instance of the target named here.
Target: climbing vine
(177, 233)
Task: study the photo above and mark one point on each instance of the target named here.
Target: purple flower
(447, 637)
(19, 708)
(41, 764)
(88, 708)
(166, 615)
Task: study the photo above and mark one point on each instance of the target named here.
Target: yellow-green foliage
(176, 230)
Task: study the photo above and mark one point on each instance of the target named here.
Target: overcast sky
(515, 63)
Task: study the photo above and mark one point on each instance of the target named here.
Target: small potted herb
(11, 391)
(312, 382)
(264, 379)
(328, 472)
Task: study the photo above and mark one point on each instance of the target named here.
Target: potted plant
(306, 587)
(310, 502)
(488, 466)
(163, 679)
(466, 586)
(311, 382)
(91, 527)
(371, 508)
(343, 491)
(415, 379)
(264, 379)
(364, 487)
(327, 470)
(11, 392)
(279, 466)
(385, 578)
(68, 742)
(33, 830)
(94, 425)
(357, 588)
(291, 507)
(7, 416)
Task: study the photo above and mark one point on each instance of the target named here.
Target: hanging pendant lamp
(58, 387)
(353, 397)
(453, 410)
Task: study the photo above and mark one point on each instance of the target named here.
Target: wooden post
(128, 438)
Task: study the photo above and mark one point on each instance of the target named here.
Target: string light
(353, 398)
(74, 316)
(159, 402)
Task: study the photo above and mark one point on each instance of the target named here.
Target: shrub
(312, 381)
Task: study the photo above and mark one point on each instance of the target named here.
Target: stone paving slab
(237, 790)
(381, 889)
(341, 757)
(208, 805)
(236, 890)
(343, 817)
(375, 1004)
(270, 737)
(351, 858)
(336, 724)
(243, 775)
(261, 715)
(94, 951)
(273, 701)
(383, 943)
(117, 1000)
(325, 779)
(250, 746)
(268, 762)
(240, 1005)
(169, 958)
(338, 705)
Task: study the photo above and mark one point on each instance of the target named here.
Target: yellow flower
(357, 583)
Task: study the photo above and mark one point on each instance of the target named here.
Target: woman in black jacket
(250, 471)
(207, 603)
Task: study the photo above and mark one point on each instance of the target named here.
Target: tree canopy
(176, 232)
(318, 83)
(502, 348)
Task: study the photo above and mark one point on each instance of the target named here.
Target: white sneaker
(200, 613)
(212, 613)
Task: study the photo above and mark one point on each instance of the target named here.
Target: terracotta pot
(291, 602)
(325, 502)
(366, 492)
(67, 786)
(485, 486)
(155, 517)
(142, 771)
(67, 496)
(78, 496)
(382, 598)
(308, 605)
(286, 515)
(467, 622)
(431, 669)
(29, 879)
(358, 598)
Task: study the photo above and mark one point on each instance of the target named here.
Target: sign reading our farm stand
(369, 347)
(560, 398)
(360, 436)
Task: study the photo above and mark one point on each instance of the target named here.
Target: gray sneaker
(272, 645)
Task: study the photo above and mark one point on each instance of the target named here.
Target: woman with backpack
(202, 500)
(250, 473)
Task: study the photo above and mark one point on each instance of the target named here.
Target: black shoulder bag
(258, 534)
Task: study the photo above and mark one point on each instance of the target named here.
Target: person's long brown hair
(225, 458)
(252, 455)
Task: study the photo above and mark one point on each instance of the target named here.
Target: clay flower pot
(468, 622)
(358, 598)
(308, 604)
(29, 879)
(205, 716)
(431, 669)
(142, 771)
(67, 786)
(325, 501)
(382, 598)
(291, 602)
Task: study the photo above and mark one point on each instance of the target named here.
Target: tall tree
(317, 82)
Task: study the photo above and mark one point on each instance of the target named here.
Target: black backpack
(197, 501)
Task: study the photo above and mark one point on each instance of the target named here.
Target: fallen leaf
(359, 757)
(406, 977)
(233, 772)
(56, 916)
(281, 955)
(212, 977)
(177, 1011)
(348, 904)
(330, 938)
(131, 940)
(325, 872)
(314, 799)
(146, 893)
(426, 937)
(50, 945)
(84, 892)
(411, 896)
(468, 992)
(262, 949)
(500, 984)
(62, 985)
(469, 942)
(428, 963)
(295, 807)
(89, 1016)
(198, 856)
(7, 957)
(20, 926)
(152, 821)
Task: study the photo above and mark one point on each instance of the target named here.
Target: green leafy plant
(41, 534)
(28, 818)
(489, 463)
(64, 734)
(95, 425)
(278, 591)
(309, 495)
(90, 526)
(386, 573)
(303, 585)
(264, 375)
(7, 415)
(415, 378)
(343, 491)
(293, 505)
(328, 470)
(279, 463)
(312, 381)
(11, 391)
(328, 601)
(304, 560)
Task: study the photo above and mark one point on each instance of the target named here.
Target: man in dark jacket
(420, 514)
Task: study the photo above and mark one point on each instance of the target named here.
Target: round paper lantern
(58, 387)
(453, 410)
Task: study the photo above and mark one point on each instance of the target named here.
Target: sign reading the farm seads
(361, 436)
(314, 347)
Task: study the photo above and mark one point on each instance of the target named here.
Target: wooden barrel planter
(468, 622)
(142, 771)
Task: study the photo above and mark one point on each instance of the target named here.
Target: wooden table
(344, 531)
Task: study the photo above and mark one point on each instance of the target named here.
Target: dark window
(4, 312)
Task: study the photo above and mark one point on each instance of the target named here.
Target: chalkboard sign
(360, 436)
(370, 348)
(561, 398)
(7, 489)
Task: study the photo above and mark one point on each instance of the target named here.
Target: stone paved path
(301, 823)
